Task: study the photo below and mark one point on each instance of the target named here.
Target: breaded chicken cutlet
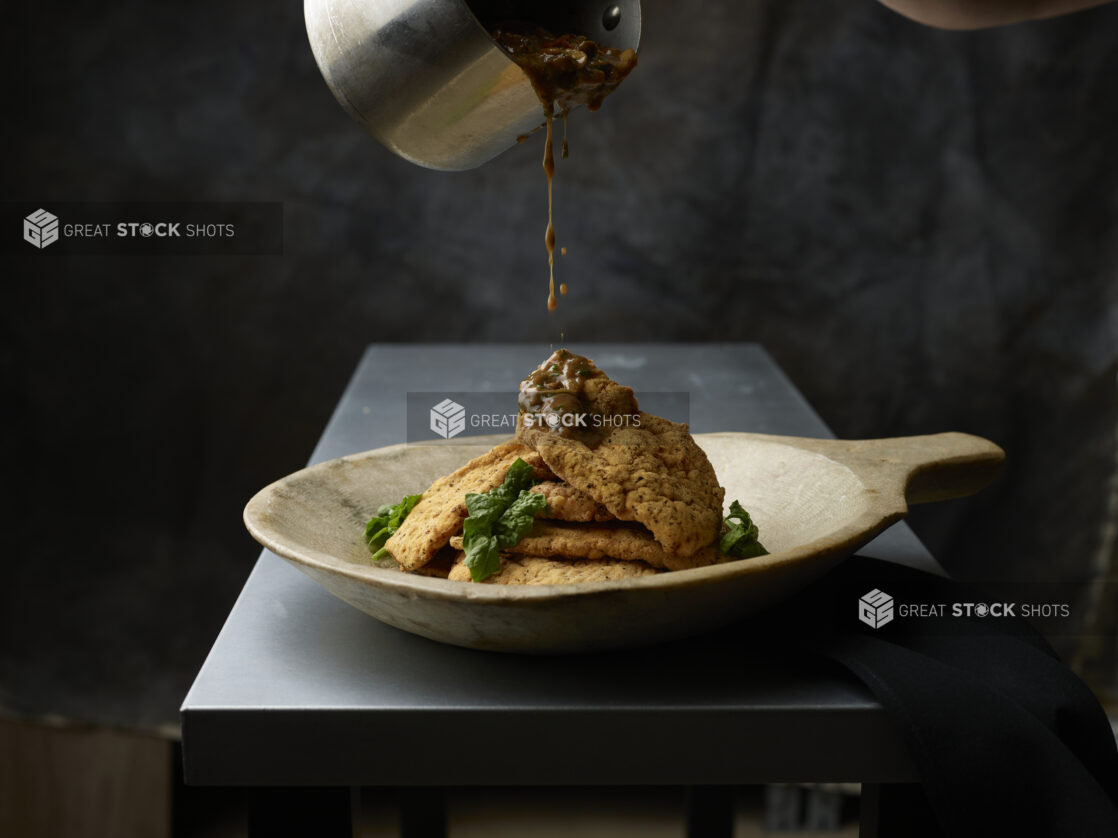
(592, 489)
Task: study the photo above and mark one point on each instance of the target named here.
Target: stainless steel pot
(426, 79)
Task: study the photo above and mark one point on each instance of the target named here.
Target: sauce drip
(549, 236)
(565, 71)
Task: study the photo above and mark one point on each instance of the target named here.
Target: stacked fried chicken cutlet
(627, 493)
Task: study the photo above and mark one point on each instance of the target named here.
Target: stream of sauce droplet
(565, 71)
(549, 236)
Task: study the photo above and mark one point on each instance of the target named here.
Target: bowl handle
(924, 468)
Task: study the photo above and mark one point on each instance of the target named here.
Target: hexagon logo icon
(875, 609)
(448, 419)
(40, 229)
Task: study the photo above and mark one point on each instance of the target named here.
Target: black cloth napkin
(1007, 740)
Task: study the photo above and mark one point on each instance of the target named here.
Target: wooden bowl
(815, 501)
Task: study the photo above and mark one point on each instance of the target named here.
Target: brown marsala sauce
(557, 387)
(565, 71)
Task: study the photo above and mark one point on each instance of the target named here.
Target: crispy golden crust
(566, 503)
(654, 474)
(598, 542)
(439, 514)
(540, 570)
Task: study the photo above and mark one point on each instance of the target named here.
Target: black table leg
(710, 811)
(422, 812)
(893, 809)
(300, 813)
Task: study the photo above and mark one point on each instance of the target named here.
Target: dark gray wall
(922, 227)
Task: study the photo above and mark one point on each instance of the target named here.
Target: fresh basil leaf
(483, 556)
(515, 521)
(498, 519)
(386, 522)
(519, 477)
(484, 507)
(741, 539)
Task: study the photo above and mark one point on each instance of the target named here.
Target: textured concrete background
(921, 226)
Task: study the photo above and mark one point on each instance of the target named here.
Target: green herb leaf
(484, 509)
(519, 477)
(385, 522)
(483, 555)
(515, 521)
(498, 519)
(741, 539)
